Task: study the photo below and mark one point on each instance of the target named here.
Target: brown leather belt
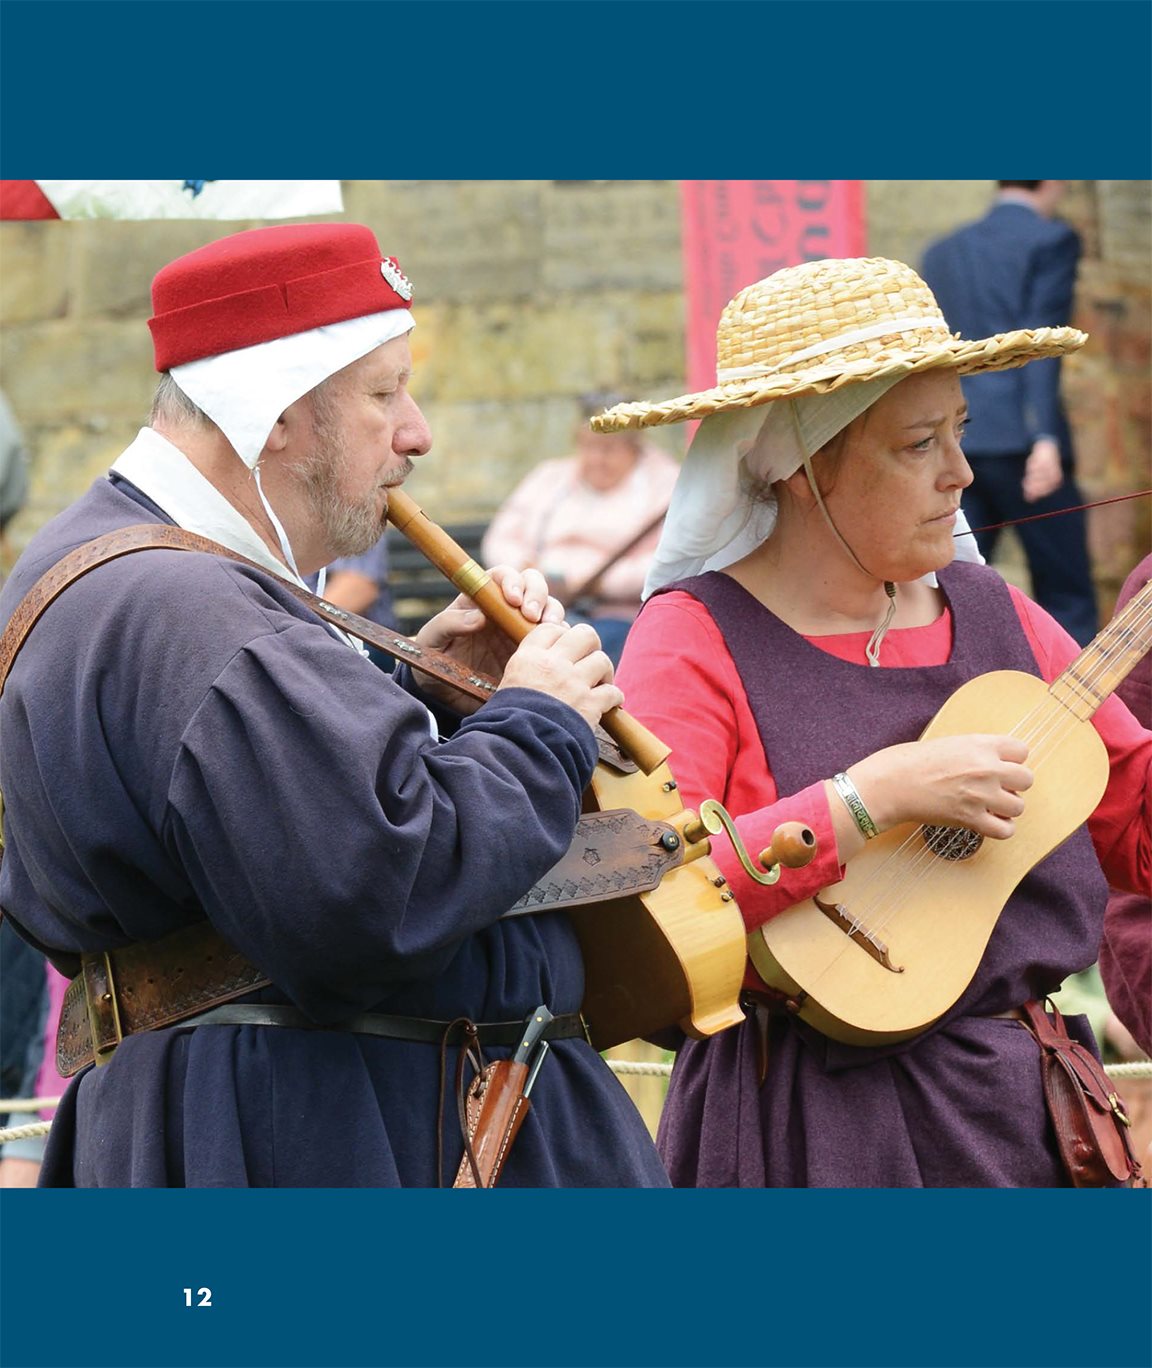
(414, 1030)
(145, 986)
(193, 976)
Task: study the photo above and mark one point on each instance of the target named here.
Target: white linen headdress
(245, 391)
(719, 512)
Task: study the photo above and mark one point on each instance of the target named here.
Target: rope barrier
(622, 1067)
(627, 1067)
(24, 1132)
(1140, 1069)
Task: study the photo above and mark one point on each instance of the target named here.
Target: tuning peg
(793, 843)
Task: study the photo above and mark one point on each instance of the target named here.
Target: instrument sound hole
(953, 843)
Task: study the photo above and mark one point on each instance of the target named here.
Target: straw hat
(814, 328)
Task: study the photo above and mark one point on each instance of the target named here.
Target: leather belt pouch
(1092, 1127)
(495, 1111)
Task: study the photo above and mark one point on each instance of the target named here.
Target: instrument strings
(1044, 728)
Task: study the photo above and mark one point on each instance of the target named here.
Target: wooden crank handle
(793, 845)
(408, 518)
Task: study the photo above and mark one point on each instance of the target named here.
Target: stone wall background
(528, 295)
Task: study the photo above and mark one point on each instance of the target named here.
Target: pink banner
(738, 232)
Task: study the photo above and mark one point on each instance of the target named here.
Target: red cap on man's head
(266, 283)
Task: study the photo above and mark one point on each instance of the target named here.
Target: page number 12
(203, 1297)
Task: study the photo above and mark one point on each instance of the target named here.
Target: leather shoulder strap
(153, 536)
(161, 536)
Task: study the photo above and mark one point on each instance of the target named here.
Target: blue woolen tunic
(181, 738)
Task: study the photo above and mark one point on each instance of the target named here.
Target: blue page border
(571, 89)
(327, 1279)
(575, 90)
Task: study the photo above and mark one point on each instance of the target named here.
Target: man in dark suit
(1016, 268)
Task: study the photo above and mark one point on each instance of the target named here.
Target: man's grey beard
(349, 528)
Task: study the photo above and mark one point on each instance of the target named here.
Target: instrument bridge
(856, 931)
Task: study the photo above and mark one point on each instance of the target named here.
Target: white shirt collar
(161, 470)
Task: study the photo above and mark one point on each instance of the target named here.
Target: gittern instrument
(884, 953)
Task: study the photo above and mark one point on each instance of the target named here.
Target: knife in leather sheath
(497, 1104)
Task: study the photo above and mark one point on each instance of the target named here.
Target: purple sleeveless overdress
(960, 1105)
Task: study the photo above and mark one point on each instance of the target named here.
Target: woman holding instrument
(805, 622)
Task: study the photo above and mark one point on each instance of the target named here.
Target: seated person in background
(590, 522)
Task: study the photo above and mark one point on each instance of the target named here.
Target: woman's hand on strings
(972, 781)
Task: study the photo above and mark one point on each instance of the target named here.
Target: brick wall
(530, 293)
